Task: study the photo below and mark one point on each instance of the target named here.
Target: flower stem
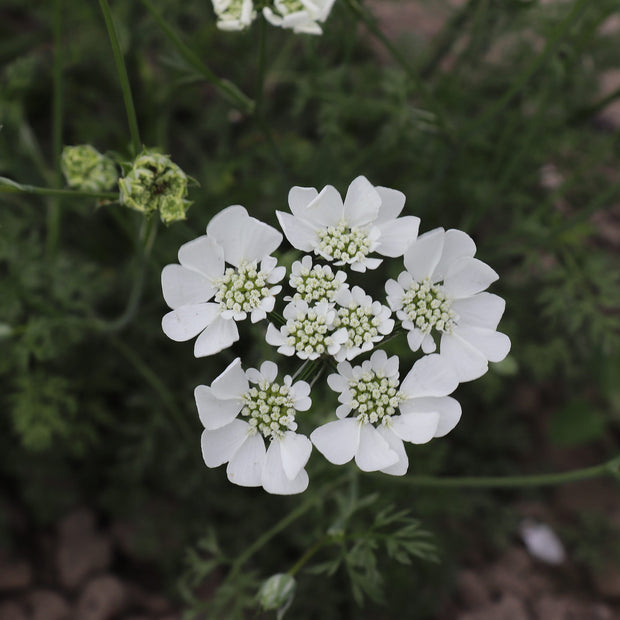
(136, 143)
(303, 560)
(226, 88)
(12, 187)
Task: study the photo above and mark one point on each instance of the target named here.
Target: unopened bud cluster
(85, 168)
(242, 289)
(375, 398)
(270, 409)
(427, 307)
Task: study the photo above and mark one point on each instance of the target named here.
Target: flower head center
(375, 398)
(242, 289)
(315, 285)
(345, 245)
(309, 333)
(361, 324)
(270, 410)
(427, 307)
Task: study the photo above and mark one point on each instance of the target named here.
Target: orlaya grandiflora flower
(385, 414)
(441, 291)
(301, 16)
(234, 14)
(206, 297)
(315, 283)
(243, 409)
(346, 233)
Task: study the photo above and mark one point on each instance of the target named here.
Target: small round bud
(85, 168)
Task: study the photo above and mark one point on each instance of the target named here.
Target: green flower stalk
(155, 183)
(85, 168)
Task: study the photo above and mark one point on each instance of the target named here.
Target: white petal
(220, 445)
(428, 344)
(374, 452)
(337, 382)
(337, 441)
(417, 428)
(295, 451)
(187, 321)
(493, 345)
(392, 203)
(362, 202)
(378, 360)
(395, 294)
(448, 408)
(457, 245)
(213, 412)
(246, 466)
(468, 362)
(299, 234)
(182, 287)
(269, 370)
(274, 336)
(415, 338)
(299, 198)
(203, 255)
(430, 376)
(218, 336)
(398, 235)
(326, 209)
(422, 256)
(232, 383)
(468, 276)
(481, 310)
(276, 275)
(369, 263)
(258, 314)
(342, 411)
(396, 444)
(274, 478)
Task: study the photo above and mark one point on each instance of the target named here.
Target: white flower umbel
(245, 287)
(234, 14)
(315, 283)
(240, 411)
(347, 233)
(441, 293)
(309, 331)
(365, 321)
(301, 16)
(386, 413)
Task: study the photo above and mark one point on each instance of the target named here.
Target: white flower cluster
(300, 16)
(439, 301)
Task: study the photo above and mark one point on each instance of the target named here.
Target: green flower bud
(155, 183)
(87, 169)
(277, 593)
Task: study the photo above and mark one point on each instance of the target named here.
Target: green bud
(155, 183)
(277, 592)
(87, 169)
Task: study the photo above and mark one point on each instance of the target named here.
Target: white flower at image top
(346, 233)
(301, 16)
(441, 293)
(243, 409)
(234, 14)
(206, 297)
(386, 413)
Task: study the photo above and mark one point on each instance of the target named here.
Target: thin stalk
(136, 143)
(226, 88)
(303, 560)
(610, 468)
(18, 188)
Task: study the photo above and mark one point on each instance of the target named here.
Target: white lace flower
(347, 233)
(386, 413)
(315, 283)
(302, 16)
(366, 322)
(309, 331)
(240, 410)
(234, 14)
(246, 287)
(441, 292)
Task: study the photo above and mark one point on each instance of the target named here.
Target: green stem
(11, 187)
(226, 88)
(303, 560)
(136, 143)
(610, 468)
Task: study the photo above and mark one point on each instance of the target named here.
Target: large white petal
(187, 321)
(468, 362)
(295, 451)
(448, 408)
(374, 452)
(392, 203)
(274, 336)
(269, 370)
(493, 345)
(337, 382)
(326, 209)
(232, 383)
(457, 244)
(246, 466)
(396, 444)
(299, 234)
(182, 287)
(468, 276)
(430, 376)
(213, 412)
(274, 478)
(203, 255)
(422, 256)
(220, 445)
(398, 235)
(481, 310)
(418, 427)
(337, 441)
(299, 198)
(362, 202)
(415, 338)
(218, 336)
